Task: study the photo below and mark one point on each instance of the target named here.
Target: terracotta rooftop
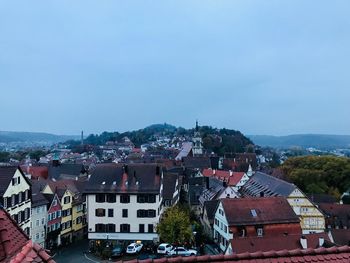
(232, 178)
(15, 246)
(278, 242)
(252, 211)
(318, 255)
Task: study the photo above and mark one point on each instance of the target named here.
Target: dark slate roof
(197, 162)
(210, 208)
(268, 210)
(338, 215)
(322, 198)
(341, 236)
(119, 178)
(269, 185)
(65, 171)
(169, 182)
(38, 199)
(6, 174)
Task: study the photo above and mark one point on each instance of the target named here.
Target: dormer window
(16, 180)
(260, 231)
(66, 200)
(242, 232)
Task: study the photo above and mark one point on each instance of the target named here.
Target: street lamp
(194, 235)
(107, 240)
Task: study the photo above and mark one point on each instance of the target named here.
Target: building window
(100, 228)
(13, 200)
(100, 212)
(125, 212)
(26, 195)
(43, 221)
(146, 198)
(100, 198)
(125, 228)
(26, 213)
(111, 228)
(141, 228)
(43, 234)
(53, 215)
(125, 198)
(150, 228)
(19, 218)
(37, 222)
(146, 213)
(110, 212)
(59, 213)
(79, 220)
(241, 231)
(37, 236)
(111, 198)
(66, 200)
(54, 202)
(20, 198)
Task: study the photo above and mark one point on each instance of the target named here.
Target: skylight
(254, 214)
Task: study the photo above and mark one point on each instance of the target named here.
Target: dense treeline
(219, 141)
(319, 174)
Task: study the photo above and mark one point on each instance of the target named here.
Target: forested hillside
(319, 174)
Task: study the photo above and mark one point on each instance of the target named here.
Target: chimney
(303, 242)
(320, 241)
(231, 173)
(262, 194)
(214, 171)
(126, 169)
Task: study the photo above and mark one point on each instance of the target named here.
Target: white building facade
(38, 232)
(124, 202)
(222, 234)
(17, 198)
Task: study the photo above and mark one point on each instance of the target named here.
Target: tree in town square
(174, 226)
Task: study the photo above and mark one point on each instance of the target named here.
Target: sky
(261, 67)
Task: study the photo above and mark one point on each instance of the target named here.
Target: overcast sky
(261, 67)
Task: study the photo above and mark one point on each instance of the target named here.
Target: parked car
(134, 248)
(181, 251)
(117, 251)
(164, 248)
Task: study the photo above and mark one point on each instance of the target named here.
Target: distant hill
(220, 141)
(33, 137)
(303, 140)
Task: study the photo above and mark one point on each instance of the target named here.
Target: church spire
(196, 125)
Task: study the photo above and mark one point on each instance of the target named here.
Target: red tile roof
(281, 242)
(319, 255)
(36, 171)
(232, 178)
(239, 211)
(15, 246)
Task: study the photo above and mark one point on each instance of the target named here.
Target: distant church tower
(82, 138)
(197, 148)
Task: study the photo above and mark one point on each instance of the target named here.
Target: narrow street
(75, 253)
